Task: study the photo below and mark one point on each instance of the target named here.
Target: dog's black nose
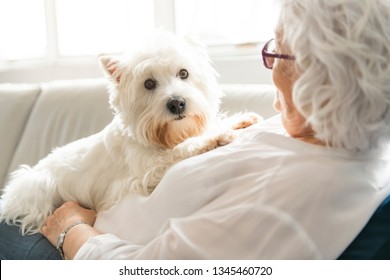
(176, 105)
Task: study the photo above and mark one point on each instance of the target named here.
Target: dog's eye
(150, 84)
(183, 74)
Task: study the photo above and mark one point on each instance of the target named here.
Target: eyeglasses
(269, 54)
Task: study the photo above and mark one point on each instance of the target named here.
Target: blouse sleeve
(233, 233)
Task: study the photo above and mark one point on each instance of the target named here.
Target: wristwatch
(61, 238)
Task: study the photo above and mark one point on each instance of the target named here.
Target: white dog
(165, 100)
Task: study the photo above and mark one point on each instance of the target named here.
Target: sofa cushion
(16, 102)
(65, 111)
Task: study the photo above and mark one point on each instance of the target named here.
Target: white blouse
(264, 196)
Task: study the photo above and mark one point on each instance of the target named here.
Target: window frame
(164, 13)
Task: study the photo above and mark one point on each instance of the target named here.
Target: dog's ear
(111, 67)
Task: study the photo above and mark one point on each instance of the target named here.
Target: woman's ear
(111, 67)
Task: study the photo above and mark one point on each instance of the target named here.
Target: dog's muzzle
(176, 105)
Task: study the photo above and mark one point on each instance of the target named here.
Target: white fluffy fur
(144, 139)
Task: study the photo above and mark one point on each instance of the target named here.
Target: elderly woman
(298, 186)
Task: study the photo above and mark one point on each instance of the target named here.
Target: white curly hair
(342, 50)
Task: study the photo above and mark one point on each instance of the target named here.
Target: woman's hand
(64, 216)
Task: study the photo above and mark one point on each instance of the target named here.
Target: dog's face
(166, 92)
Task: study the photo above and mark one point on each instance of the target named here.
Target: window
(101, 26)
(22, 30)
(32, 28)
(226, 22)
(42, 40)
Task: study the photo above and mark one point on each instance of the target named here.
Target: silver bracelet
(61, 237)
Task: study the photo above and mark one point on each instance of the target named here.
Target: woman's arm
(67, 214)
(245, 232)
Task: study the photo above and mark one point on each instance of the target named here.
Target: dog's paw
(220, 139)
(246, 120)
(224, 138)
(202, 144)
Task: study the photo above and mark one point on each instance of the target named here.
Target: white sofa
(35, 118)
